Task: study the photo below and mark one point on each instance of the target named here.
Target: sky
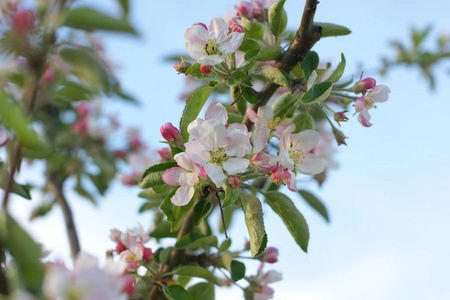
(388, 200)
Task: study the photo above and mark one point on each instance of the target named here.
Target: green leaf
(196, 240)
(317, 93)
(250, 95)
(239, 78)
(15, 119)
(292, 218)
(231, 195)
(234, 118)
(153, 175)
(152, 194)
(329, 29)
(163, 231)
(100, 182)
(237, 270)
(180, 213)
(202, 290)
(195, 271)
(148, 206)
(176, 292)
(89, 19)
(267, 53)
(271, 74)
(315, 203)
(255, 223)
(225, 245)
(310, 63)
(73, 91)
(167, 206)
(337, 73)
(249, 44)
(125, 7)
(303, 122)
(24, 250)
(252, 30)
(193, 107)
(277, 18)
(201, 211)
(284, 103)
(87, 67)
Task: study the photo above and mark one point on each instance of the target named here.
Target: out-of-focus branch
(307, 35)
(55, 186)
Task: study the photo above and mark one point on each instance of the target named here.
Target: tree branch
(55, 186)
(307, 35)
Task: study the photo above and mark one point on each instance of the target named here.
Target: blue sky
(388, 201)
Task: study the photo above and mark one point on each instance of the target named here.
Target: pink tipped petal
(193, 129)
(115, 235)
(370, 83)
(252, 115)
(364, 118)
(265, 113)
(235, 165)
(196, 35)
(311, 165)
(360, 104)
(183, 195)
(292, 184)
(188, 179)
(172, 176)
(239, 145)
(218, 29)
(238, 128)
(285, 139)
(271, 276)
(139, 250)
(285, 160)
(305, 140)
(217, 111)
(232, 42)
(260, 139)
(131, 240)
(197, 152)
(216, 174)
(200, 171)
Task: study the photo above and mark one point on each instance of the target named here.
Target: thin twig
(223, 218)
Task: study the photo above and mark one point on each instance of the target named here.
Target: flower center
(272, 124)
(218, 155)
(369, 104)
(211, 47)
(297, 156)
(132, 257)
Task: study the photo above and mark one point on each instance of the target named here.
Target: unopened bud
(120, 154)
(148, 255)
(340, 116)
(280, 175)
(339, 136)
(182, 66)
(49, 75)
(130, 284)
(165, 154)
(169, 132)
(232, 181)
(206, 70)
(23, 22)
(270, 255)
(234, 26)
(364, 85)
(120, 247)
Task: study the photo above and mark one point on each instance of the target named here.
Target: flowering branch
(305, 38)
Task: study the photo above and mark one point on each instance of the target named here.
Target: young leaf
(292, 218)
(202, 290)
(310, 63)
(195, 271)
(225, 245)
(267, 53)
(153, 175)
(255, 222)
(317, 93)
(315, 203)
(277, 18)
(337, 73)
(73, 91)
(201, 211)
(252, 30)
(163, 231)
(237, 270)
(283, 103)
(271, 74)
(196, 240)
(193, 107)
(329, 29)
(89, 19)
(148, 206)
(176, 292)
(303, 122)
(179, 213)
(250, 95)
(231, 195)
(167, 206)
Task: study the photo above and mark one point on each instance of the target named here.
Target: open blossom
(378, 94)
(87, 281)
(253, 8)
(218, 148)
(295, 151)
(186, 176)
(209, 46)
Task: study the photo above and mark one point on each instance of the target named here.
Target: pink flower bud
(120, 247)
(169, 132)
(23, 21)
(49, 75)
(280, 175)
(241, 11)
(232, 181)
(206, 70)
(165, 154)
(128, 180)
(270, 255)
(182, 66)
(265, 162)
(340, 117)
(3, 139)
(120, 154)
(130, 284)
(364, 85)
(234, 26)
(148, 255)
(80, 126)
(201, 24)
(83, 110)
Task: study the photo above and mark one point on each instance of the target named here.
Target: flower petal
(285, 139)
(217, 111)
(379, 93)
(260, 139)
(188, 179)
(235, 165)
(305, 140)
(184, 161)
(311, 165)
(360, 104)
(218, 29)
(172, 176)
(231, 43)
(216, 174)
(183, 196)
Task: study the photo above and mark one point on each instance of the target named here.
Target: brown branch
(55, 186)
(307, 35)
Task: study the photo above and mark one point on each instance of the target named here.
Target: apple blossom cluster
(218, 152)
